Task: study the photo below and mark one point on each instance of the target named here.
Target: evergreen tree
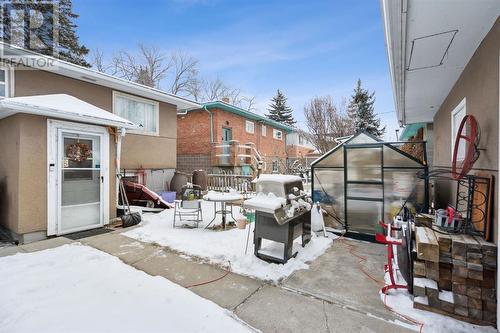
(362, 113)
(67, 46)
(279, 111)
(70, 48)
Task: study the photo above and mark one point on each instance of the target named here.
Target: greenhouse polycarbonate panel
(363, 216)
(370, 191)
(393, 158)
(364, 164)
(402, 185)
(361, 138)
(329, 189)
(334, 159)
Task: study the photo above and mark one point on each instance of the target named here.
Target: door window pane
(364, 164)
(365, 191)
(363, 216)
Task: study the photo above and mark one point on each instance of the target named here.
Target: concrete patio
(332, 296)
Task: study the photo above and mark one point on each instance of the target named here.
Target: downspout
(211, 123)
(119, 137)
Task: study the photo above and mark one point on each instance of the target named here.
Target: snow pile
(78, 288)
(402, 301)
(232, 195)
(278, 178)
(225, 248)
(265, 202)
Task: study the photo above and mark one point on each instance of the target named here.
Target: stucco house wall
(23, 176)
(138, 151)
(479, 85)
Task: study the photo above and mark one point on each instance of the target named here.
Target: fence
(225, 181)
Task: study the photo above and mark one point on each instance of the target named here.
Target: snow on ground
(225, 248)
(402, 301)
(76, 288)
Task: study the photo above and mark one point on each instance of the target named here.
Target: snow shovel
(128, 218)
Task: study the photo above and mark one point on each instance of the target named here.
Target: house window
(277, 134)
(264, 130)
(275, 166)
(250, 126)
(456, 118)
(4, 82)
(139, 111)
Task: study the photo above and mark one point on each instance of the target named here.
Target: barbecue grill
(282, 214)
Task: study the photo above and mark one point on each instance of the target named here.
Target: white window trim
(275, 136)
(143, 100)
(263, 130)
(461, 106)
(247, 123)
(9, 81)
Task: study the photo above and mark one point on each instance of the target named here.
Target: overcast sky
(305, 48)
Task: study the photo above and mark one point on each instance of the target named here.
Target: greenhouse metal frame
(369, 180)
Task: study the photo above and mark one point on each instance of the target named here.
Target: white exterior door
(78, 187)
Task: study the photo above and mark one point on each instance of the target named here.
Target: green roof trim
(411, 130)
(247, 114)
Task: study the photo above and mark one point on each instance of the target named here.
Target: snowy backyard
(226, 248)
(80, 289)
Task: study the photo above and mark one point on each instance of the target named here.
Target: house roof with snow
(247, 114)
(64, 107)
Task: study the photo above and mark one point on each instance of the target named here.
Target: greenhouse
(363, 181)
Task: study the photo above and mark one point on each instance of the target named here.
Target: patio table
(223, 199)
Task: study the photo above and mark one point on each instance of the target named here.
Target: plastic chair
(189, 207)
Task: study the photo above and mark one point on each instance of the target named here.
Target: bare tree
(147, 67)
(325, 122)
(97, 61)
(177, 71)
(216, 89)
(185, 72)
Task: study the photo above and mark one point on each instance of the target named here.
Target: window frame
(275, 163)
(275, 131)
(263, 130)
(249, 122)
(461, 107)
(8, 83)
(155, 104)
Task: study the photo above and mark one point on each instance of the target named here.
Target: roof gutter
(394, 14)
(183, 112)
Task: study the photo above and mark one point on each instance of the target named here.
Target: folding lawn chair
(188, 209)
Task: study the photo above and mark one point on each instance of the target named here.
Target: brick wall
(266, 145)
(295, 151)
(193, 139)
(193, 134)
(189, 163)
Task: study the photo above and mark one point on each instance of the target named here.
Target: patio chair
(188, 209)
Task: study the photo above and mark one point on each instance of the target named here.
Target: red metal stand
(390, 242)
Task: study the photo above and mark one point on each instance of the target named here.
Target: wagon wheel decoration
(468, 136)
(78, 152)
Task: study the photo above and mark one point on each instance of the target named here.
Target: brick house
(220, 136)
(300, 152)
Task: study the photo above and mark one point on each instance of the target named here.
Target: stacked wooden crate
(455, 275)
